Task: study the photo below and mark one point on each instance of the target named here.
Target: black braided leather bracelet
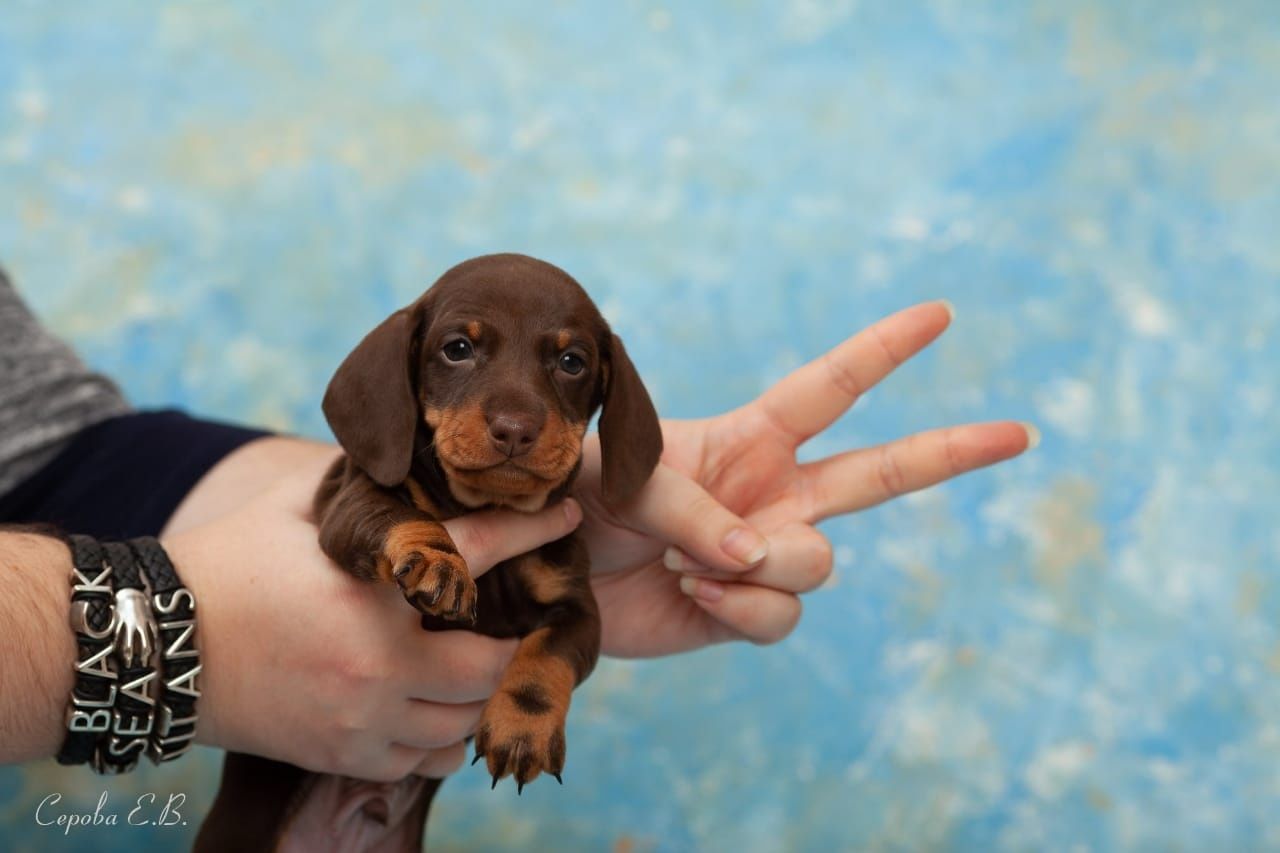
(89, 714)
(174, 606)
(135, 647)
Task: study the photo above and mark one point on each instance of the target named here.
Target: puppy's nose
(513, 434)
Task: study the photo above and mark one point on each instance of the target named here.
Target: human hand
(737, 474)
(306, 664)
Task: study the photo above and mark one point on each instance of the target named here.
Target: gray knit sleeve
(47, 394)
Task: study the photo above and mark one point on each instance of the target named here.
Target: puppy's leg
(521, 731)
(374, 535)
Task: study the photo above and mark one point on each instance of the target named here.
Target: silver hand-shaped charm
(135, 627)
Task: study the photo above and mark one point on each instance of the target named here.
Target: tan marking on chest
(420, 498)
(478, 498)
(545, 583)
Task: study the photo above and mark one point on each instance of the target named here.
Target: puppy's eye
(459, 350)
(572, 364)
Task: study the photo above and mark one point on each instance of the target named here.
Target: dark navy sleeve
(125, 476)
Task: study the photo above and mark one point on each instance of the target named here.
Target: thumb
(485, 539)
(673, 508)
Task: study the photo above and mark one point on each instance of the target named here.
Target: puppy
(477, 395)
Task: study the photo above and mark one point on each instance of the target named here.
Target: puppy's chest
(515, 596)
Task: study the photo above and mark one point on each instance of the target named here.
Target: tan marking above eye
(473, 330)
(564, 339)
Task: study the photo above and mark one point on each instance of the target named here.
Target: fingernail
(703, 589)
(1033, 435)
(572, 512)
(951, 308)
(745, 545)
(673, 559)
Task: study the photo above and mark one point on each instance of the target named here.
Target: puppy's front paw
(438, 584)
(431, 574)
(521, 734)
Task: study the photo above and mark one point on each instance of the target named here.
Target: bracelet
(135, 647)
(137, 679)
(89, 714)
(175, 606)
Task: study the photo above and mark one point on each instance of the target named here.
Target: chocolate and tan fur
(476, 395)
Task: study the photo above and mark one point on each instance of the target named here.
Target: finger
(485, 539)
(809, 399)
(799, 560)
(393, 763)
(453, 666)
(863, 478)
(433, 725)
(673, 508)
(755, 613)
(443, 762)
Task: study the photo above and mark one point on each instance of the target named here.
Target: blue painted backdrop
(1075, 651)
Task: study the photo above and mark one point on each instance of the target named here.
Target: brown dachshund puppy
(476, 395)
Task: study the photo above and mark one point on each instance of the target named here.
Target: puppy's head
(503, 361)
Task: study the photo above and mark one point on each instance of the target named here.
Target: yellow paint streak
(1071, 536)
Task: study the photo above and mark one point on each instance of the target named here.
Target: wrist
(191, 557)
(38, 674)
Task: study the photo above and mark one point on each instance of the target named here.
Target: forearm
(37, 648)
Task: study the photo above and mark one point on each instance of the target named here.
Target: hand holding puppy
(284, 675)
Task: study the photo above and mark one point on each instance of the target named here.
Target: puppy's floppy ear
(370, 401)
(630, 436)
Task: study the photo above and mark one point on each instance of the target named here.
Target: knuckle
(841, 377)
(890, 472)
(877, 334)
(357, 671)
(951, 452)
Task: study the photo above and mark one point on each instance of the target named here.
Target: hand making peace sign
(726, 479)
